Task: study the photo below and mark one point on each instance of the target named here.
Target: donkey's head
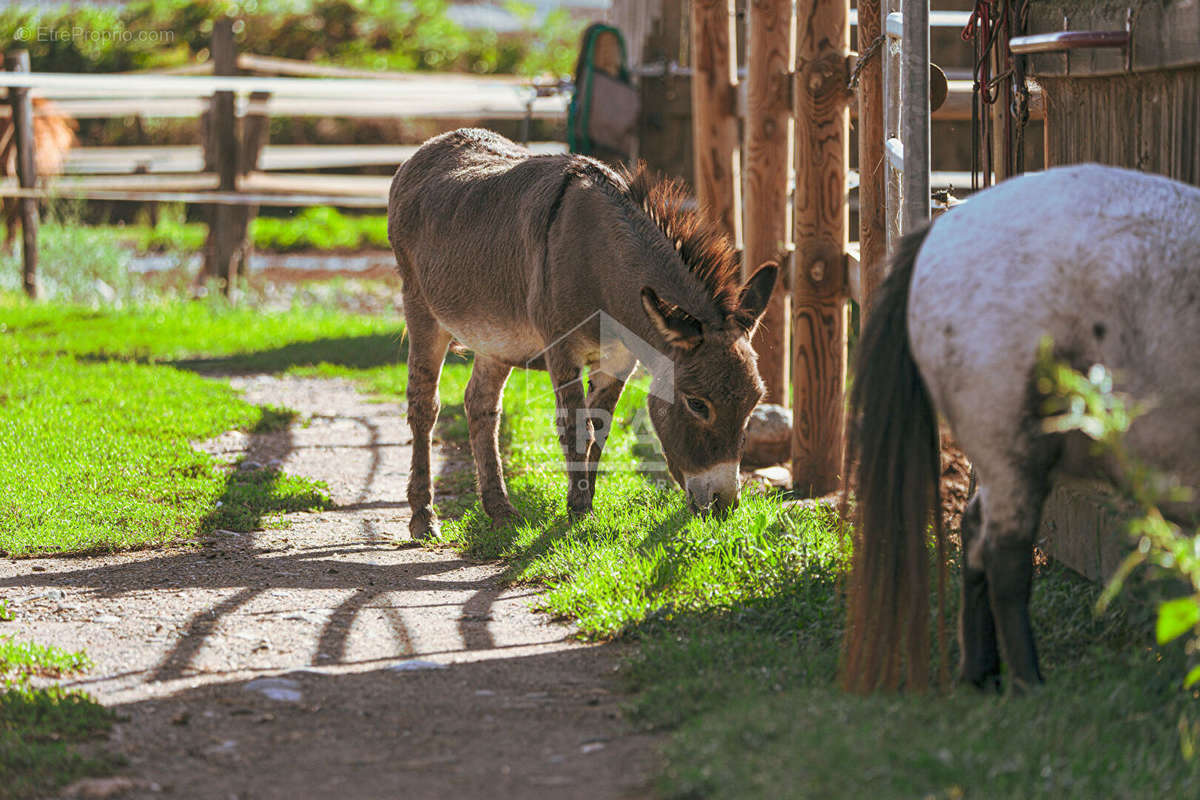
(700, 408)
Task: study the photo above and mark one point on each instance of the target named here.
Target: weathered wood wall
(1147, 121)
(1136, 107)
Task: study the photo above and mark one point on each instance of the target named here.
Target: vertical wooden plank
(768, 146)
(872, 175)
(714, 113)
(255, 130)
(818, 299)
(22, 122)
(220, 251)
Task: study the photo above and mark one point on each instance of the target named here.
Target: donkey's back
(468, 217)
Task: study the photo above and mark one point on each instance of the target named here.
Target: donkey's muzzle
(717, 506)
(715, 490)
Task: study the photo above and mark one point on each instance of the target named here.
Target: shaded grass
(38, 724)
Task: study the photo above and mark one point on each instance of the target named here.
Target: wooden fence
(795, 103)
(234, 171)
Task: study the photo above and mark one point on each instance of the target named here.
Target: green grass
(737, 623)
(27, 658)
(38, 724)
(91, 264)
(738, 626)
(321, 228)
(99, 408)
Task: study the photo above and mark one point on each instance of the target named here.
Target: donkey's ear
(678, 327)
(755, 293)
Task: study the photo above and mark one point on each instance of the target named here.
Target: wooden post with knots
(768, 149)
(819, 281)
(714, 114)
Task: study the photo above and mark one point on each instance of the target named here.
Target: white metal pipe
(914, 114)
(894, 25)
(894, 149)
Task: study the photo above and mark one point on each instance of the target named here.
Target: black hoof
(989, 684)
(424, 526)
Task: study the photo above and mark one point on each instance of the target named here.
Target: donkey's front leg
(604, 390)
(427, 344)
(482, 402)
(574, 429)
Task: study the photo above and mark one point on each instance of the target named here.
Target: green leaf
(1176, 617)
(1192, 678)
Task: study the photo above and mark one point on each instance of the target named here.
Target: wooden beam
(22, 126)
(768, 150)
(872, 180)
(818, 292)
(714, 114)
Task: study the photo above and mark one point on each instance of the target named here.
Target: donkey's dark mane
(703, 247)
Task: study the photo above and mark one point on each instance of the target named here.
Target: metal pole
(872, 168)
(914, 114)
(891, 123)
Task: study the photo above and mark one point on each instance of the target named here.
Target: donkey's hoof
(579, 510)
(503, 515)
(424, 526)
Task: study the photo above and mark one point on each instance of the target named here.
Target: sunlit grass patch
(99, 410)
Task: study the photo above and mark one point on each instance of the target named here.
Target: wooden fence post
(220, 249)
(714, 114)
(22, 126)
(819, 294)
(768, 150)
(872, 172)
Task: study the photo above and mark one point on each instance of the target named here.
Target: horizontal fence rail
(418, 96)
(1067, 40)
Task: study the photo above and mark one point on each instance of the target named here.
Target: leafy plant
(370, 34)
(1089, 404)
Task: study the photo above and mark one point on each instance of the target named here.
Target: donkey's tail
(895, 453)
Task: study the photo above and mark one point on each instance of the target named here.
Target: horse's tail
(894, 456)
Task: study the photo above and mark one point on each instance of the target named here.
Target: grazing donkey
(559, 263)
(1104, 261)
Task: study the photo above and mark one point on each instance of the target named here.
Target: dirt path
(318, 658)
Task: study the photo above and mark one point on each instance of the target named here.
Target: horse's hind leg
(1012, 507)
(482, 402)
(980, 663)
(427, 344)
